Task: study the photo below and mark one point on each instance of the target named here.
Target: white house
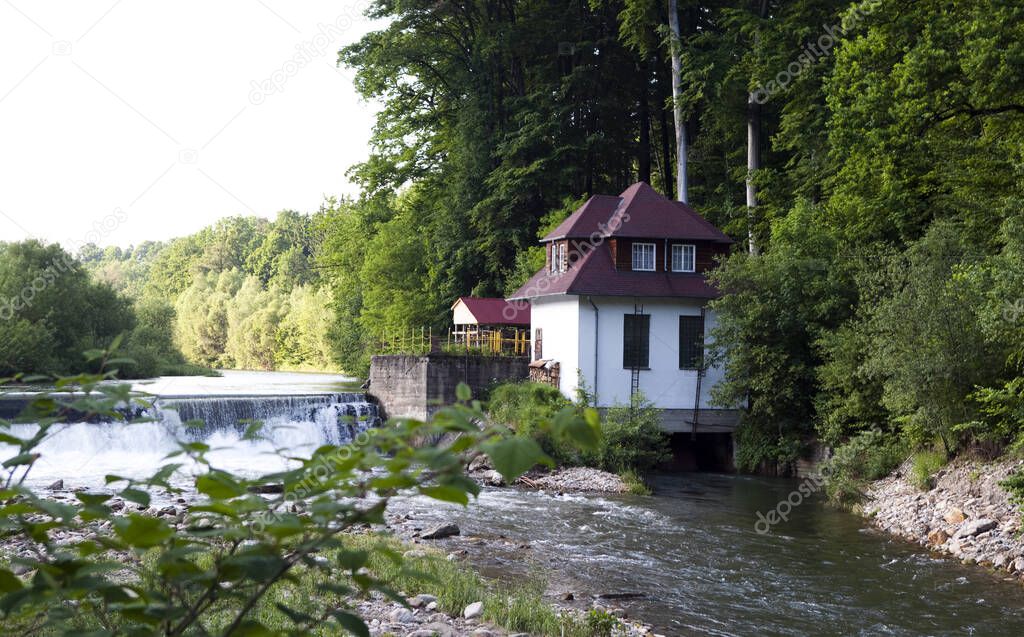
(621, 305)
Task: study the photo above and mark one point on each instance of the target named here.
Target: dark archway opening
(704, 452)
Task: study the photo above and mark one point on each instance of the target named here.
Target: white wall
(461, 314)
(664, 383)
(559, 318)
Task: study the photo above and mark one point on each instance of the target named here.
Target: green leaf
(137, 496)
(9, 582)
(21, 459)
(463, 392)
(351, 623)
(143, 531)
(250, 628)
(352, 560)
(219, 485)
(514, 456)
(446, 493)
(297, 617)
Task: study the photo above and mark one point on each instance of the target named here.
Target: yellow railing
(514, 342)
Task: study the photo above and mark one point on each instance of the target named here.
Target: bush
(632, 438)
(868, 456)
(925, 465)
(524, 406)
(247, 541)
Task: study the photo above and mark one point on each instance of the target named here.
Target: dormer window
(559, 262)
(684, 258)
(643, 257)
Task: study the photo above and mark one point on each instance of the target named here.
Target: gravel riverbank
(966, 515)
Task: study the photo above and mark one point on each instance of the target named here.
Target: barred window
(691, 342)
(636, 341)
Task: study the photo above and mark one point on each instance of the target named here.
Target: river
(691, 549)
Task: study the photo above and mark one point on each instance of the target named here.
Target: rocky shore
(966, 514)
(561, 480)
(421, 617)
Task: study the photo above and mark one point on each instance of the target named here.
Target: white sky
(126, 120)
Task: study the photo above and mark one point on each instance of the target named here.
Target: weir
(83, 453)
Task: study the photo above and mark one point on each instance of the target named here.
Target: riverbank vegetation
(51, 311)
(631, 443)
(254, 555)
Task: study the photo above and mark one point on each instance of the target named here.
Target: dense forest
(867, 156)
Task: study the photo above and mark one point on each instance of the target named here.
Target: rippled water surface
(693, 551)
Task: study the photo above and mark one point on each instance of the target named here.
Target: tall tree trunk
(644, 112)
(754, 150)
(666, 146)
(753, 164)
(682, 187)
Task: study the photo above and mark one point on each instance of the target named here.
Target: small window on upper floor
(643, 257)
(558, 260)
(684, 258)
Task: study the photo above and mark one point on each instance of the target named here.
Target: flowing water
(691, 550)
(299, 413)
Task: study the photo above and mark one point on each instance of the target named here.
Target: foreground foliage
(632, 442)
(91, 570)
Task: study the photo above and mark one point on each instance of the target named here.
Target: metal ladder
(634, 386)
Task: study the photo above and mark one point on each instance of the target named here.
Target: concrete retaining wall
(417, 386)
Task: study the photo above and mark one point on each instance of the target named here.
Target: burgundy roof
(595, 274)
(496, 311)
(639, 212)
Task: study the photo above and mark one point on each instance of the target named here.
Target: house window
(558, 260)
(643, 257)
(691, 342)
(636, 341)
(684, 258)
(538, 344)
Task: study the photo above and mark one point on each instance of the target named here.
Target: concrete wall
(417, 386)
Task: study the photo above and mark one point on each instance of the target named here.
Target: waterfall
(83, 453)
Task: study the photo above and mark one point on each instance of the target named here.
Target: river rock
(436, 629)
(443, 531)
(421, 600)
(954, 516)
(56, 486)
(937, 537)
(483, 632)
(474, 610)
(401, 616)
(975, 527)
(480, 463)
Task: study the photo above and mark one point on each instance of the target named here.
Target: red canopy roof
(640, 212)
(489, 311)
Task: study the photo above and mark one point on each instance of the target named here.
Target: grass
(513, 606)
(925, 465)
(634, 483)
(516, 607)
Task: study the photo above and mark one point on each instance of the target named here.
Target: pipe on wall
(597, 349)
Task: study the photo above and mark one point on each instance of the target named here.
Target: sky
(127, 120)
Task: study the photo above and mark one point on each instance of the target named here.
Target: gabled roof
(639, 212)
(488, 311)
